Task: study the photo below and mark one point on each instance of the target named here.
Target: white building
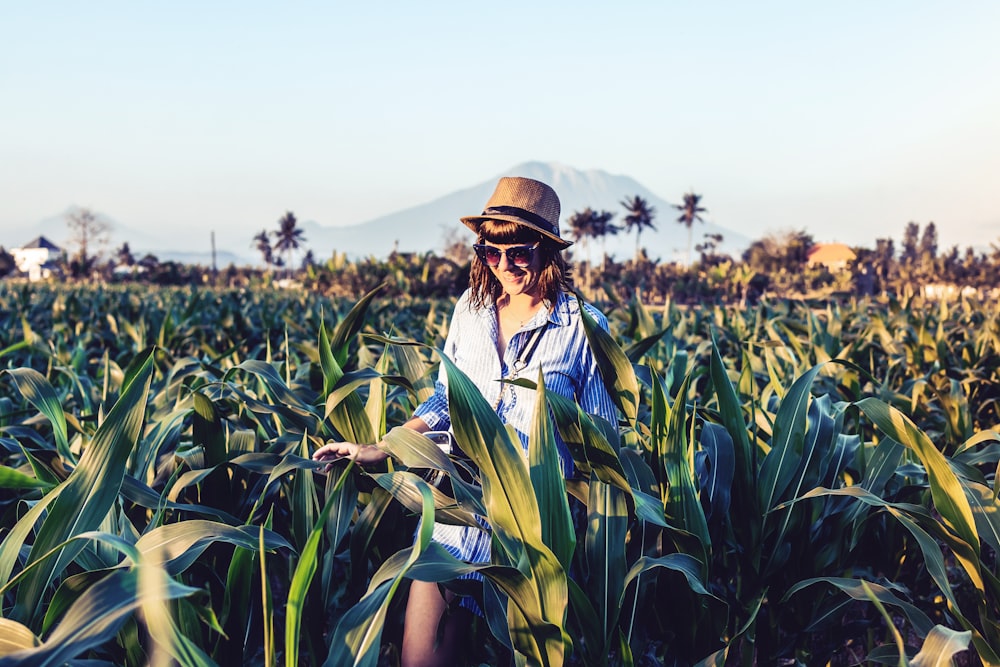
(36, 258)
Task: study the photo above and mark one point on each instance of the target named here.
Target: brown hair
(554, 276)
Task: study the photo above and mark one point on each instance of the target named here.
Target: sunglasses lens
(520, 256)
(488, 254)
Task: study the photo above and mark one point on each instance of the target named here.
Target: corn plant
(785, 483)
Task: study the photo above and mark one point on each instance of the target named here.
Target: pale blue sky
(846, 119)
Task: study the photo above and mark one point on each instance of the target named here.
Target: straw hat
(525, 201)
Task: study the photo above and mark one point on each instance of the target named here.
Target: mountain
(427, 226)
(430, 226)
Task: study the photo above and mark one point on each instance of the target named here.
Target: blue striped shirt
(563, 354)
(568, 367)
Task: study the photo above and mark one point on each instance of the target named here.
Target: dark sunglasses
(519, 255)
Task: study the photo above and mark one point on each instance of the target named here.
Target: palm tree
(289, 237)
(582, 227)
(690, 211)
(640, 215)
(602, 228)
(263, 245)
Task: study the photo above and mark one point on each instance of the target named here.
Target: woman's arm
(365, 455)
(432, 414)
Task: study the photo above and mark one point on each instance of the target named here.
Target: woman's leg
(425, 611)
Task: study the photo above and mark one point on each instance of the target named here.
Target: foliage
(639, 216)
(788, 482)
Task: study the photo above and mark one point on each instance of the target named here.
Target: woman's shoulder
(466, 307)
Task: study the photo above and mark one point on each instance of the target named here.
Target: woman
(516, 317)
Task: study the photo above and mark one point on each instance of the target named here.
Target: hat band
(524, 214)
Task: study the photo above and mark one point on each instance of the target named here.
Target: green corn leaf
(37, 391)
(350, 326)
(881, 467)
(237, 605)
(347, 414)
(582, 621)
(154, 586)
(414, 450)
(985, 511)
(113, 541)
(357, 636)
(305, 568)
(615, 368)
(927, 531)
(285, 401)
(88, 494)
(686, 565)
(207, 429)
(10, 548)
(940, 645)
(778, 470)
(946, 490)
(15, 637)
(93, 619)
(550, 486)
(510, 501)
(820, 449)
(717, 483)
(350, 382)
(403, 488)
(897, 637)
(375, 406)
(164, 432)
(637, 350)
(507, 491)
(15, 479)
(177, 545)
(413, 367)
(607, 526)
(719, 658)
(363, 536)
(588, 438)
(669, 436)
(648, 506)
(859, 590)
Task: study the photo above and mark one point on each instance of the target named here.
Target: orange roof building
(834, 256)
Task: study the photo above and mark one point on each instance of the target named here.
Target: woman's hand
(365, 455)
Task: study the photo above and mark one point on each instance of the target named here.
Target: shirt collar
(559, 315)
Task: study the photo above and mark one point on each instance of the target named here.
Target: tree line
(777, 263)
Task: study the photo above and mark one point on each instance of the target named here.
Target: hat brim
(473, 222)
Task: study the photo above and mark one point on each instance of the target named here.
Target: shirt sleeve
(434, 411)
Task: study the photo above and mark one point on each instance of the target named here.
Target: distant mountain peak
(425, 227)
(558, 174)
(430, 226)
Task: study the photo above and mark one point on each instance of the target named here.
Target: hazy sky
(846, 119)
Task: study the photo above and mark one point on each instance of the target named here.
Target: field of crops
(791, 483)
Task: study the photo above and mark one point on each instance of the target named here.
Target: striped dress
(567, 364)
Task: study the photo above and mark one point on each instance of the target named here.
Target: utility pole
(215, 270)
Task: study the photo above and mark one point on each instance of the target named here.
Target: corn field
(791, 483)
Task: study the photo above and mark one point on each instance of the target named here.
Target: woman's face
(517, 268)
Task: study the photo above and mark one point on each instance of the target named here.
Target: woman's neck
(519, 303)
(513, 312)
